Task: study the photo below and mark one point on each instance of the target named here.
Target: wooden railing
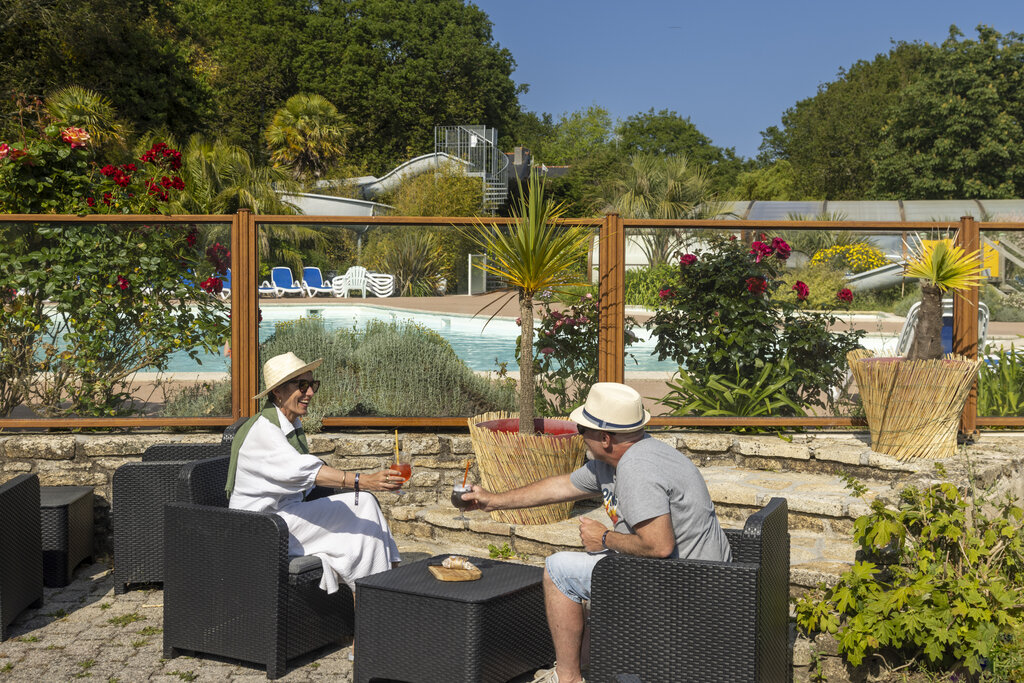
(612, 232)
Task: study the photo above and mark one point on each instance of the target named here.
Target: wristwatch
(604, 540)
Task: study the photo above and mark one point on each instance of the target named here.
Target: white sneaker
(549, 676)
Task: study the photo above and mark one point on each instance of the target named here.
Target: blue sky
(732, 67)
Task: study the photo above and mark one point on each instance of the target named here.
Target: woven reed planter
(508, 460)
(913, 406)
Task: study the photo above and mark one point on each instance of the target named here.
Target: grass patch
(126, 619)
(142, 642)
(54, 647)
(86, 665)
(28, 639)
(6, 668)
(57, 614)
(185, 675)
(151, 631)
(105, 605)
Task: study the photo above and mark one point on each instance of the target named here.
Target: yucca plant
(940, 266)
(531, 255)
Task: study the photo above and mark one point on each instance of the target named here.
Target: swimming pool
(480, 347)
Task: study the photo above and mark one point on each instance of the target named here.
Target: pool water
(480, 347)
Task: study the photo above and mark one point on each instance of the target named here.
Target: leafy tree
(83, 108)
(134, 53)
(830, 139)
(774, 182)
(307, 135)
(577, 135)
(668, 133)
(959, 130)
(396, 69)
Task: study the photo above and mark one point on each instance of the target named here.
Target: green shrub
(200, 400)
(852, 258)
(941, 583)
(414, 256)
(1004, 308)
(1001, 383)
(642, 285)
(822, 280)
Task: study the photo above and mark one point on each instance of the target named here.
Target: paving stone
(772, 449)
(707, 443)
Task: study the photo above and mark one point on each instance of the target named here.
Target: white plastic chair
(380, 284)
(907, 333)
(313, 282)
(354, 278)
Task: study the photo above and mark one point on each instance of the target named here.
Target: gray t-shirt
(653, 479)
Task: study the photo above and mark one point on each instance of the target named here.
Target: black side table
(67, 524)
(412, 627)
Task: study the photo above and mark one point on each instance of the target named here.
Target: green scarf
(297, 438)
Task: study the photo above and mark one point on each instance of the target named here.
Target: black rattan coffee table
(412, 627)
(66, 516)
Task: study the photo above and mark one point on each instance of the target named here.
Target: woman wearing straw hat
(271, 470)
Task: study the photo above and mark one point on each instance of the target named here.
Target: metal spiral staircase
(478, 147)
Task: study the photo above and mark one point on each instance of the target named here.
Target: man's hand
(591, 532)
(479, 498)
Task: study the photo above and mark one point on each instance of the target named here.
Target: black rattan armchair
(686, 620)
(230, 588)
(21, 549)
(140, 491)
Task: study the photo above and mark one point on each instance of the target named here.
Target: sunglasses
(304, 384)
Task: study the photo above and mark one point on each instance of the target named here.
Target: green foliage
(397, 68)
(1003, 307)
(413, 255)
(643, 284)
(739, 395)
(774, 182)
(87, 305)
(717, 314)
(958, 130)
(392, 369)
(565, 358)
(577, 135)
(125, 619)
(831, 138)
(504, 552)
(940, 584)
(1001, 383)
(666, 133)
(306, 135)
(822, 280)
(202, 399)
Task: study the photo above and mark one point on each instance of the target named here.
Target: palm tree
(664, 188)
(77, 106)
(940, 266)
(307, 135)
(222, 178)
(532, 255)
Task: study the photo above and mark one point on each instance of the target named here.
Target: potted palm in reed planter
(913, 404)
(531, 255)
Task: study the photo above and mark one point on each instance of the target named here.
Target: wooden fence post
(965, 326)
(612, 295)
(244, 315)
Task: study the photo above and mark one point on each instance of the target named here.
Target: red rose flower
(76, 137)
(757, 285)
(802, 290)
(122, 282)
(666, 293)
(782, 250)
(547, 350)
(192, 236)
(687, 260)
(122, 180)
(760, 250)
(844, 295)
(108, 170)
(90, 201)
(212, 285)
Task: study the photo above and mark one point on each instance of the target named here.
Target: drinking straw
(466, 475)
(396, 446)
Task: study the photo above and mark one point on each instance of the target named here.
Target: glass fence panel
(114, 319)
(417, 344)
(1001, 323)
(750, 322)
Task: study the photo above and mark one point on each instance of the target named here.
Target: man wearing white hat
(271, 470)
(656, 498)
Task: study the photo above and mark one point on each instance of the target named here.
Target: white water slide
(877, 278)
(371, 186)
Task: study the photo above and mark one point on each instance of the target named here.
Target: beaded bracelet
(604, 539)
(357, 488)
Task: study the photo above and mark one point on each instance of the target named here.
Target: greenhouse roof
(892, 210)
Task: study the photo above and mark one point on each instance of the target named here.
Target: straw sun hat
(280, 369)
(612, 407)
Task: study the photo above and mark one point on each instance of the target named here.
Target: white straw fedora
(280, 369)
(612, 407)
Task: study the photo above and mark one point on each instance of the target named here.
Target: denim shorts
(570, 572)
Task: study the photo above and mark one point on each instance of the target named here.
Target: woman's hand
(385, 480)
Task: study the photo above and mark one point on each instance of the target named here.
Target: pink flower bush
(687, 260)
(666, 293)
(122, 282)
(212, 285)
(781, 248)
(844, 295)
(760, 250)
(802, 290)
